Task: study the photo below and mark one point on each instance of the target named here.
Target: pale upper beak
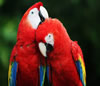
(43, 14)
(44, 48)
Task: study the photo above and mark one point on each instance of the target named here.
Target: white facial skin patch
(49, 39)
(34, 18)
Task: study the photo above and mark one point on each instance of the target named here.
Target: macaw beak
(44, 48)
(43, 14)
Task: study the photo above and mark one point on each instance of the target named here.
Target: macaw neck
(26, 32)
(61, 51)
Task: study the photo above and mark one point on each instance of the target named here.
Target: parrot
(62, 57)
(24, 64)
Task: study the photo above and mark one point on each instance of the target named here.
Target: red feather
(26, 53)
(63, 71)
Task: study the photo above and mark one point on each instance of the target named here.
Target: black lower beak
(49, 47)
(41, 17)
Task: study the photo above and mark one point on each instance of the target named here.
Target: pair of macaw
(44, 54)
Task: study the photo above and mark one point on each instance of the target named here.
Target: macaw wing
(12, 74)
(13, 67)
(44, 76)
(79, 61)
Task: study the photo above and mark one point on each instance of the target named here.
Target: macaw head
(52, 38)
(30, 21)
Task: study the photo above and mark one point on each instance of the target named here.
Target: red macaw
(24, 67)
(63, 57)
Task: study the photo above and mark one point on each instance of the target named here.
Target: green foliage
(1, 2)
(80, 17)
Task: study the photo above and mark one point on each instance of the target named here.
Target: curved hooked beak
(43, 14)
(44, 48)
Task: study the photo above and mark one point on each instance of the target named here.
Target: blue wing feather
(79, 68)
(12, 78)
(48, 73)
(44, 74)
(41, 75)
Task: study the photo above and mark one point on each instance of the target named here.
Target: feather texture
(80, 65)
(66, 62)
(81, 70)
(42, 75)
(12, 74)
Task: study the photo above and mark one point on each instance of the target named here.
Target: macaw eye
(32, 12)
(49, 35)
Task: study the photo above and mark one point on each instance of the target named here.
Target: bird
(24, 65)
(63, 58)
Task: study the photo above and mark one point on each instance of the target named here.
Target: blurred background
(80, 17)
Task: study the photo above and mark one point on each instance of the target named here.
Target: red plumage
(25, 53)
(63, 71)
(61, 60)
